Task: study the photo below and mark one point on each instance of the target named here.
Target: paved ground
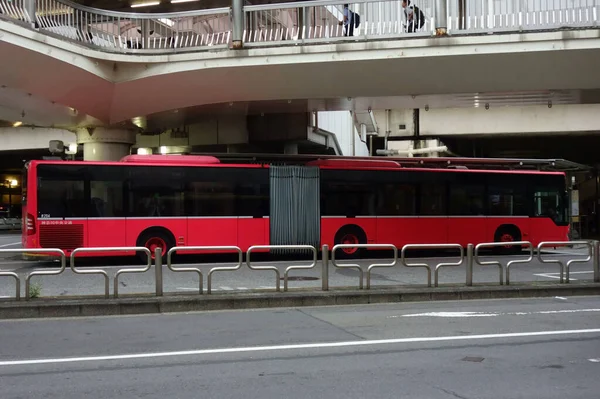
(245, 279)
(537, 348)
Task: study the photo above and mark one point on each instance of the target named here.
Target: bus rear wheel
(153, 239)
(508, 233)
(350, 235)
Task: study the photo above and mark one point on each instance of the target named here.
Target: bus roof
(494, 165)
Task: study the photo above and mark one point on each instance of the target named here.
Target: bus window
(466, 200)
(397, 199)
(433, 199)
(506, 201)
(550, 203)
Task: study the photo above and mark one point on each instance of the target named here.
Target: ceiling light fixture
(152, 3)
(182, 1)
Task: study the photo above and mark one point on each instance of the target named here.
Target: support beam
(522, 121)
(32, 138)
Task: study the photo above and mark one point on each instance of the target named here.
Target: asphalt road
(244, 279)
(538, 348)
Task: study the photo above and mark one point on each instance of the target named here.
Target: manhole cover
(472, 359)
(301, 278)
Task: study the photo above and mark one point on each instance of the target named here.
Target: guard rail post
(596, 261)
(325, 269)
(469, 281)
(158, 271)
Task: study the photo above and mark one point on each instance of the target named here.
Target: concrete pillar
(302, 18)
(237, 7)
(145, 33)
(440, 17)
(103, 144)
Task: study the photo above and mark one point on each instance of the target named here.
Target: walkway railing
(291, 23)
(466, 259)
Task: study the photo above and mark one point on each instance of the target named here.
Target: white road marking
(490, 314)
(188, 289)
(557, 274)
(594, 360)
(551, 275)
(10, 245)
(562, 298)
(271, 348)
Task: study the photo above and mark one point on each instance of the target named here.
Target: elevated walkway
(88, 67)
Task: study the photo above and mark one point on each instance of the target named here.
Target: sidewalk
(74, 307)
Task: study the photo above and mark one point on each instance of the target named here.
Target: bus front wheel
(350, 235)
(155, 238)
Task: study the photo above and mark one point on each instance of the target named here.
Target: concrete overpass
(158, 71)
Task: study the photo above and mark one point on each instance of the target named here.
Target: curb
(73, 307)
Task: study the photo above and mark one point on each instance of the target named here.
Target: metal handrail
(270, 24)
(564, 266)
(145, 15)
(497, 262)
(439, 265)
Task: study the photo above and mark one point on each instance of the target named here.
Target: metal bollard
(158, 271)
(325, 269)
(469, 265)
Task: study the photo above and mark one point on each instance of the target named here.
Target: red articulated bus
(166, 201)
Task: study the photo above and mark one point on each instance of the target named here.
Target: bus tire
(153, 238)
(508, 233)
(350, 234)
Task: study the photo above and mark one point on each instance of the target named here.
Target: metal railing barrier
(13, 274)
(375, 265)
(299, 267)
(439, 265)
(564, 266)
(353, 266)
(225, 268)
(197, 270)
(497, 262)
(132, 270)
(103, 273)
(325, 268)
(274, 268)
(63, 265)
